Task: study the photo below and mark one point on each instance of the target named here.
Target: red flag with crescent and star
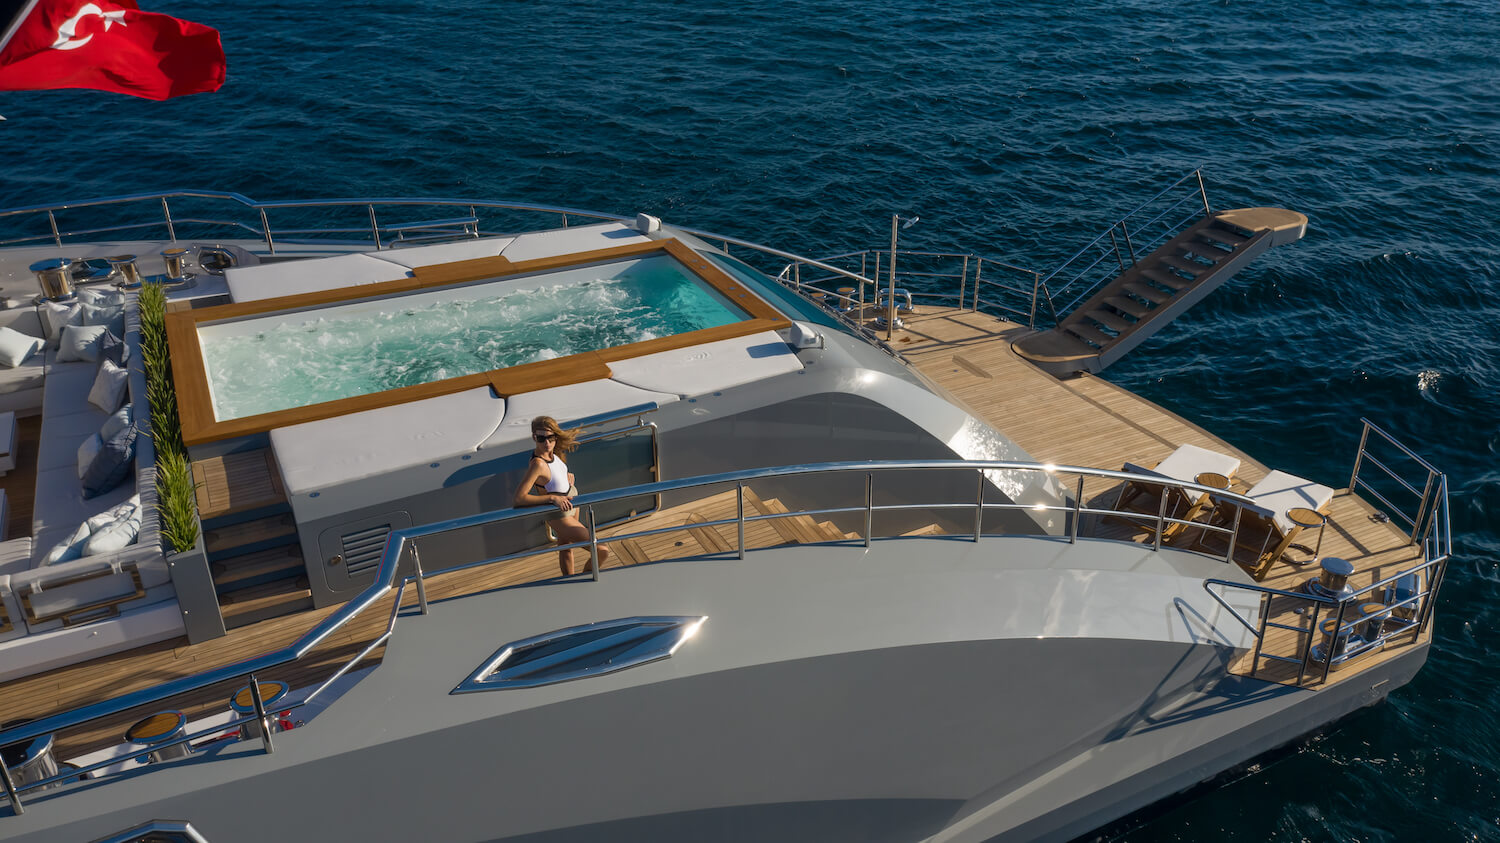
(109, 45)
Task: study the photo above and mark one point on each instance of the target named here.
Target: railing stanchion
(1202, 192)
(1036, 284)
(869, 506)
(978, 276)
(1338, 629)
(1416, 523)
(260, 714)
(1312, 631)
(265, 230)
(166, 212)
(1114, 243)
(1359, 455)
(1161, 518)
(1234, 534)
(10, 789)
(593, 546)
(979, 507)
(1077, 511)
(1260, 637)
(56, 238)
(416, 559)
(1128, 244)
(739, 502)
(797, 276)
(374, 227)
(963, 279)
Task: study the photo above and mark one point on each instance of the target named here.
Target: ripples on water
(1015, 130)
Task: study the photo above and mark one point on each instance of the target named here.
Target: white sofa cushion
(30, 374)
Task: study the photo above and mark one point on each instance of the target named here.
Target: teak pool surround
(201, 424)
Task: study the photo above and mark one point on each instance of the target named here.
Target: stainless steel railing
(395, 574)
(967, 281)
(1432, 520)
(1124, 242)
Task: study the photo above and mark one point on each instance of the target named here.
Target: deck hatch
(578, 652)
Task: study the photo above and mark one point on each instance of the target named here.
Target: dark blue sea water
(1017, 130)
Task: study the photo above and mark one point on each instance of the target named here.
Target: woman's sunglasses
(544, 437)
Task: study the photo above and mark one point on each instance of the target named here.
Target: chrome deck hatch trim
(578, 652)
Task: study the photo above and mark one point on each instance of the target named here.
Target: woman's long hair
(567, 440)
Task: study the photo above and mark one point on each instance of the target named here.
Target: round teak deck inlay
(270, 692)
(155, 727)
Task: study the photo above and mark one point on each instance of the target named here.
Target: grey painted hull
(1015, 689)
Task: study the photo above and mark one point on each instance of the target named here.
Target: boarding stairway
(1148, 293)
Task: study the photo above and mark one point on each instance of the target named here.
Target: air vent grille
(582, 651)
(362, 548)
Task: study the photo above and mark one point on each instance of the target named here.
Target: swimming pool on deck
(519, 326)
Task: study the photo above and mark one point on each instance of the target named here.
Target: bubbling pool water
(301, 359)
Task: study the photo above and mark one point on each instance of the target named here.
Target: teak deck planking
(1084, 421)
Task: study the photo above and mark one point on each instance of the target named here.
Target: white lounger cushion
(1280, 491)
(712, 366)
(567, 403)
(1189, 461)
(463, 250)
(325, 453)
(566, 241)
(286, 278)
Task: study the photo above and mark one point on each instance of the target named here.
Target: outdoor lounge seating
(1265, 528)
(1186, 465)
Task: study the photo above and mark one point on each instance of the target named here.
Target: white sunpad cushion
(285, 278)
(343, 449)
(565, 241)
(1189, 461)
(712, 366)
(1280, 492)
(567, 403)
(16, 347)
(463, 250)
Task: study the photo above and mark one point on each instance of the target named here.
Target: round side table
(1306, 519)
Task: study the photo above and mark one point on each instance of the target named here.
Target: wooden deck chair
(1183, 465)
(1265, 528)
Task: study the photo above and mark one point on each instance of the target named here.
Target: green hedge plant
(177, 505)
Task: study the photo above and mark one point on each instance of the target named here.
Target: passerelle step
(1167, 279)
(1125, 304)
(1222, 235)
(1147, 292)
(1109, 320)
(1088, 333)
(1191, 267)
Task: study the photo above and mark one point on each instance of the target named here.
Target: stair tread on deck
(1125, 304)
(261, 602)
(1168, 279)
(219, 540)
(286, 559)
(1185, 264)
(1222, 235)
(235, 483)
(1088, 333)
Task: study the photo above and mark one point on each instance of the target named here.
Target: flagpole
(15, 23)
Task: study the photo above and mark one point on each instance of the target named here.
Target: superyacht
(889, 559)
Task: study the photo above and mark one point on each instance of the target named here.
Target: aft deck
(1085, 421)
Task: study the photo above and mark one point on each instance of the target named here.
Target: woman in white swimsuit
(548, 481)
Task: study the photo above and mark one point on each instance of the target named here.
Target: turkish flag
(110, 45)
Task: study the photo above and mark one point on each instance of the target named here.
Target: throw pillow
(56, 315)
(109, 387)
(16, 347)
(113, 349)
(111, 466)
(122, 419)
(115, 513)
(69, 548)
(114, 535)
(111, 316)
(80, 343)
(88, 452)
(100, 296)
